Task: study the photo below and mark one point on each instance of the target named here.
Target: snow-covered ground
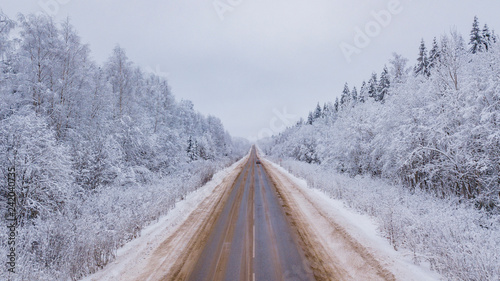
(451, 237)
(133, 258)
(351, 240)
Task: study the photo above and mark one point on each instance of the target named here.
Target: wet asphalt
(252, 238)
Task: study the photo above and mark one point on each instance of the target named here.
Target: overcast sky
(258, 64)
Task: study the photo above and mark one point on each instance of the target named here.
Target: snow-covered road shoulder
(137, 260)
(346, 244)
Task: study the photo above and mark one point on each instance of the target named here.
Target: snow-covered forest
(428, 135)
(99, 151)
(432, 126)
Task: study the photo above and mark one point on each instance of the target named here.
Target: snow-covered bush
(456, 239)
(419, 149)
(438, 132)
(99, 151)
(44, 180)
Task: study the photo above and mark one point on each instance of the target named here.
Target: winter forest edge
(434, 126)
(101, 151)
(98, 152)
(417, 148)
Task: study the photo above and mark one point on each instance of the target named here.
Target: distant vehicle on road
(257, 162)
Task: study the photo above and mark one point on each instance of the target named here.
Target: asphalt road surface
(256, 223)
(252, 238)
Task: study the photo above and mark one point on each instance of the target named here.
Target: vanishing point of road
(252, 238)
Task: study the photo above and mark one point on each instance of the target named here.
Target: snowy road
(257, 222)
(252, 239)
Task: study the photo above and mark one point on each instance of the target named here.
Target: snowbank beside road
(133, 258)
(454, 239)
(352, 241)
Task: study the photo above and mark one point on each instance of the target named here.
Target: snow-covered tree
(6, 25)
(119, 72)
(8, 103)
(486, 37)
(422, 67)
(398, 69)
(437, 134)
(363, 92)
(317, 112)
(327, 110)
(373, 86)
(434, 54)
(42, 167)
(83, 139)
(383, 86)
(354, 95)
(310, 118)
(452, 59)
(345, 98)
(40, 48)
(477, 41)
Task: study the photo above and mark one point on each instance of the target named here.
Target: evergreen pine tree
(354, 95)
(486, 37)
(434, 55)
(362, 92)
(372, 86)
(191, 149)
(383, 86)
(476, 39)
(190, 146)
(310, 118)
(317, 112)
(422, 67)
(199, 151)
(336, 105)
(345, 99)
(326, 111)
(300, 122)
